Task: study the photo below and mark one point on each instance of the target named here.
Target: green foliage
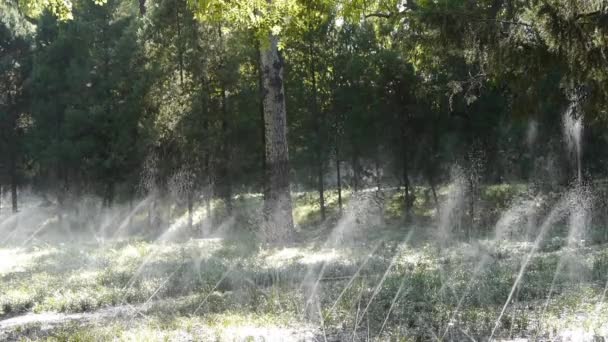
(390, 93)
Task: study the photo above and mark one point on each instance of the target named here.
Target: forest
(303, 170)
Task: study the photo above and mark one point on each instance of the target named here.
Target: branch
(518, 23)
(379, 15)
(388, 15)
(587, 15)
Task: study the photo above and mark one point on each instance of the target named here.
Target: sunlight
(305, 256)
(14, 260)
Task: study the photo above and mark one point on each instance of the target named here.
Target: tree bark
(278, 219)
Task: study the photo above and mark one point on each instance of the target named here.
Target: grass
(236, 289)
(263, 290)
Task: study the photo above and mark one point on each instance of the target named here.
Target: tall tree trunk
(406, 180)
(338, 179)
(12, 151)
(277, 204)
(131, 213)
(318, 134)
(109, 195)
(189, 199)
(225, 179)
(355, 165)
(13, 177)
(406, 185)
(180, 54)
(431, 179)
(207, 160)
(377, 176)
(338, 129)
(206, 169)
(262, 125)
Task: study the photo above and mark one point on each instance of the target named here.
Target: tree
(265, 18)
(88, 89)
(15, 63)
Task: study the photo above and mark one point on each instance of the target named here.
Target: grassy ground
(357, 278)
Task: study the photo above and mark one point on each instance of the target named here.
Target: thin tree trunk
(206, 103)
(472, 191)
(406, 180)
(179, 45)
(355, 166)
(277, 204)
(13, 176)
(338, 179)
(190, 205)
(434, 191)
(377, 171)
(108, 195)
(262, 124)
(337, 135)
(225, 181)
(131, 214)
(12, 152)
(406, 192)
(318, 135)
(142, 7)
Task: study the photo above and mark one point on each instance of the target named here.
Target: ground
(356, 279)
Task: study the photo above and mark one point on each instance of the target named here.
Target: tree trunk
(13, 176)
(406, 192)
(406, 179)
(12, 169)
(180, 54)
(131, 214)
(225, 179)
(206, 169)
(377, 176)
(190, 205)
(338, 179)
(337, 136)
(277, 204)
(12, 151)
(434, 191)
(318, 135)
(355, 166)
(142, 7)
(262, 125)
(109, 194)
